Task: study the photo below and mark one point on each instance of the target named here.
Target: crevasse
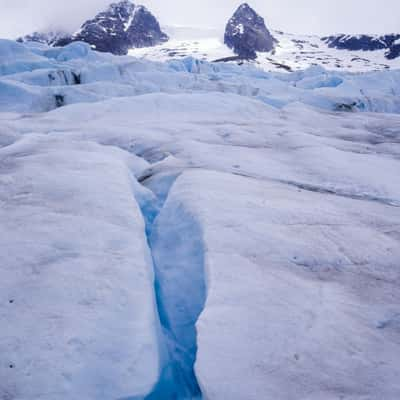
(177, 251)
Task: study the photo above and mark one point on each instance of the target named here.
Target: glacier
(193, 230)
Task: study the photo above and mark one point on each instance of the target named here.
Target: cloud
(306, 16)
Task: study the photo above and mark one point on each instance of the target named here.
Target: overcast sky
(297, 16)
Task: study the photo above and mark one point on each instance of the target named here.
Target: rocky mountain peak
(244, 10)
(247, 34)
(122, 26)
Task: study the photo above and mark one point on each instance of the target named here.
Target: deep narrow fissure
(177, 253)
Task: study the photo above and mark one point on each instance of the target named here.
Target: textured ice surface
(298, 284)
(76, 74)
(77, 306)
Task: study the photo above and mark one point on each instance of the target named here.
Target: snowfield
(190, 230)
(292, 52)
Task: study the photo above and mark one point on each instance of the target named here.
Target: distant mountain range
(128, 28)
(389, 43)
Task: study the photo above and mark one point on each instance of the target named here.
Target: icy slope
(77, 311)
(278, 312)
(268, 220)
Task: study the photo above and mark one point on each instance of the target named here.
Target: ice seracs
(247, 34)
(40, 78)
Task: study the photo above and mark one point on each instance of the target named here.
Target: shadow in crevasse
(175, 240)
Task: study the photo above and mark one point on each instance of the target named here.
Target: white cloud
(306, 16)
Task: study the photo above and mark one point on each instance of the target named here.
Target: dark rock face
(122, 26)
(246, 33)
(366, 42)
(48, 38)
(394, 51)
(359, 42)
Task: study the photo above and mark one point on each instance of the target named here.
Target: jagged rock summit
(247, 34)
(121, 27)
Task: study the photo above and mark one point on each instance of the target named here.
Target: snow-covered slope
(292, 52)
(189, 230)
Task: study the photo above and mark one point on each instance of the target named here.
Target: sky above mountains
(19, 17)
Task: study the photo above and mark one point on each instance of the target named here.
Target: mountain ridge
(388, 42)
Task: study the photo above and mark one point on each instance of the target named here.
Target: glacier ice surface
(269, 266)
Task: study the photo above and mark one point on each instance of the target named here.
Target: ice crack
(175, 241)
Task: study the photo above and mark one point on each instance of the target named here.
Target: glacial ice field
(194, 230)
